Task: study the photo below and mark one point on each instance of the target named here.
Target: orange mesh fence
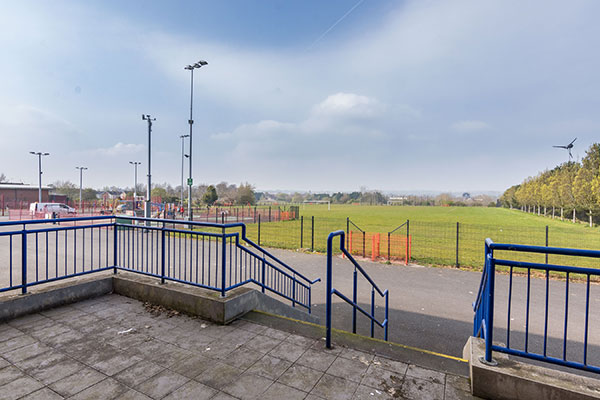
(377, 245)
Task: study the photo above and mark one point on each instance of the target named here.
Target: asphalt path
(431, 308)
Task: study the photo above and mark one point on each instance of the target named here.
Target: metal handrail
(225, 226)
(483, 323)
(299, 293)
(354, 302)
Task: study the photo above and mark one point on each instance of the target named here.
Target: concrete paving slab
(77, 382)
(300, 377)
(317, 360)
(162, 384)
(270, 367)
(43, 394)
(148, 363)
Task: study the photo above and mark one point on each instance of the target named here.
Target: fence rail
(330, 291)
(214, 256)
(574, 355)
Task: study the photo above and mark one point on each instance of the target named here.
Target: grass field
(433, 231)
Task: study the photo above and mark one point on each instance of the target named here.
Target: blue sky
(397, 96)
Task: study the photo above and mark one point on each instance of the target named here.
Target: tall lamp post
(147, 117)
(135, 164)
(39, 154)
(190, 182)
(183, 155)
(81, 169)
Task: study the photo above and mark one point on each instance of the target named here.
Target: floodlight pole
(80, 184)
(39, 154)
(147, 206)
(191, 68)
(135, 164)
(182, 163)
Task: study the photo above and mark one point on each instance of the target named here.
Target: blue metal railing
(484, 304)
(202, 254)
(354, 302)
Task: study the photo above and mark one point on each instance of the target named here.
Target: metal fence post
(354, 300)
(364, 237)
(115, 246)
(162, 254)
(269, 213)
(263, 275)
(312, 234)
(301, 230)
(224, 262)
(24, 261)
(407, 241)
(259, 229)
(347, 232)
(457, 230)
(389, 237)
(328, 293)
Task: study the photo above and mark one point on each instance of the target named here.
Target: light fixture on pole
(39, 154)
(80, 184)
(135, 164)
(147, 205)
(190, 181)
(183, 157)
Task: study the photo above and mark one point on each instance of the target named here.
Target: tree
(245, 194)
(2, 177)
(89, 194)
(210, 196)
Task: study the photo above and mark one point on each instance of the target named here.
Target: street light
(146, 117)
(191, 68)
(39, 154)
(135, 164)
(183, 156)
(80, 184)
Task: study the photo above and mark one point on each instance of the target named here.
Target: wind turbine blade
(573, 141)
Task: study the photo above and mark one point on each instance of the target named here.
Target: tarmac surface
(114, 347)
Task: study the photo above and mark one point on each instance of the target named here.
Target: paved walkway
(114, 347)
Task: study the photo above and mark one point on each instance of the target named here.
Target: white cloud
(470, 126)
(349, 105)
(119, 149)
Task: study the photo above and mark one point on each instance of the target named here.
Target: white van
(48, 208)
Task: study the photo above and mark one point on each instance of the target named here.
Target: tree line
(571, 187)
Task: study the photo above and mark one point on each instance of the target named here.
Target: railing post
(489, 320)
(372, 311)
(162, 254)
(263, 275)
(294, 291)
(387, 321)
(354, 300)
(24, 261)
(328, 293)
(115, 247)
(224, 263)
